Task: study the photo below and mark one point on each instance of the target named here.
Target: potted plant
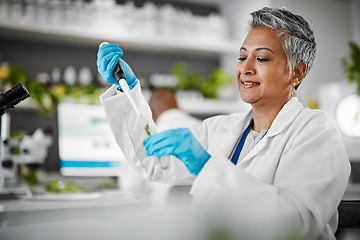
(351, 66)
(209, 86)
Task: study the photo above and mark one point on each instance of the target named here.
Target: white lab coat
(300, 165)
(175, 118)
(171, 119)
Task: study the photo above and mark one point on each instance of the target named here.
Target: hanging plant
(351, 66)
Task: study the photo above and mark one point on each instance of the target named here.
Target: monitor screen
(86, 144)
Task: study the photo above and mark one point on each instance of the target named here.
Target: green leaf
(31, 178)
(209, 86)
(64, 187)
(351, 66)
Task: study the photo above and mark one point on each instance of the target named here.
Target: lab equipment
(122, 75)
(123, 71)
(35, 147)
(143, 120)
(112, 67)
(12, 97)
(120, 78)
(8, 99)
(55, 75)
(126, 90)
(85, 76)
(70, 75)
(180, 143)
(107, 58)
(86, 145)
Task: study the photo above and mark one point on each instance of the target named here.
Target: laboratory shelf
(194, 104)
(213, 106)
(93, 35)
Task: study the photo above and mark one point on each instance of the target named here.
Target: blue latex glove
(180, 143)
(107, 58)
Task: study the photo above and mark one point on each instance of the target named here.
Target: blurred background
(50, 47)
(55, 43)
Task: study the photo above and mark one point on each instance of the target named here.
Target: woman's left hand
(180, 143)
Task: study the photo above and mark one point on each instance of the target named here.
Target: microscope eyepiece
(12, 97)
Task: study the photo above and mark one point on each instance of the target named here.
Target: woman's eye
(241, 59)
(262, 59)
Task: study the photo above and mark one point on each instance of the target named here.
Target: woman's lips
(249, 84)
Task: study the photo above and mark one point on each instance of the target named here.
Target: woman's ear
(299, 72)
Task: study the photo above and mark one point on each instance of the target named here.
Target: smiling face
(262, 72)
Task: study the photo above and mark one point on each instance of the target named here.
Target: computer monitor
(86, 144)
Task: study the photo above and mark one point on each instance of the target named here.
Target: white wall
(355, 20)
(329, 19)
(237, 13)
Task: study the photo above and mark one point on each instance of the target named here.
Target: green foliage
(351, 66)
(64, 187)
(16, 75)
(186, 81)
(218, 232)
(147, 130)
(209, 86)
(56, 186)
(31, 178)
(46, 98)
(225, 232)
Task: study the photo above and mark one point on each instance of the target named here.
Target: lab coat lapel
(225, 142)
(260, 146)
(284, 118)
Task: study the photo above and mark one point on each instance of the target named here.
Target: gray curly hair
(299, 42)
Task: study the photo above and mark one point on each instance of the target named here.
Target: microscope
(8, 99)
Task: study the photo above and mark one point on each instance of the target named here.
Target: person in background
(166, 112)
(279, 168)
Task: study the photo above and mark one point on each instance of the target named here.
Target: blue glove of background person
(107, 58)
(180, 143)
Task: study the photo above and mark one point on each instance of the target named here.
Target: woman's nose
(248, 67)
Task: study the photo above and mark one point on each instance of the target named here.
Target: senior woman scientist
(279, 151)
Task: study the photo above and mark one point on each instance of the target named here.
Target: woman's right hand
(107, 57)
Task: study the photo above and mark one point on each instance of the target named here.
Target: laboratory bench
(103, 215)
(352, 192)
(111, 214)
(108, 213)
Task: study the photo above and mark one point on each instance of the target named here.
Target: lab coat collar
(232, 132)
(285, 117)
(241, 122)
